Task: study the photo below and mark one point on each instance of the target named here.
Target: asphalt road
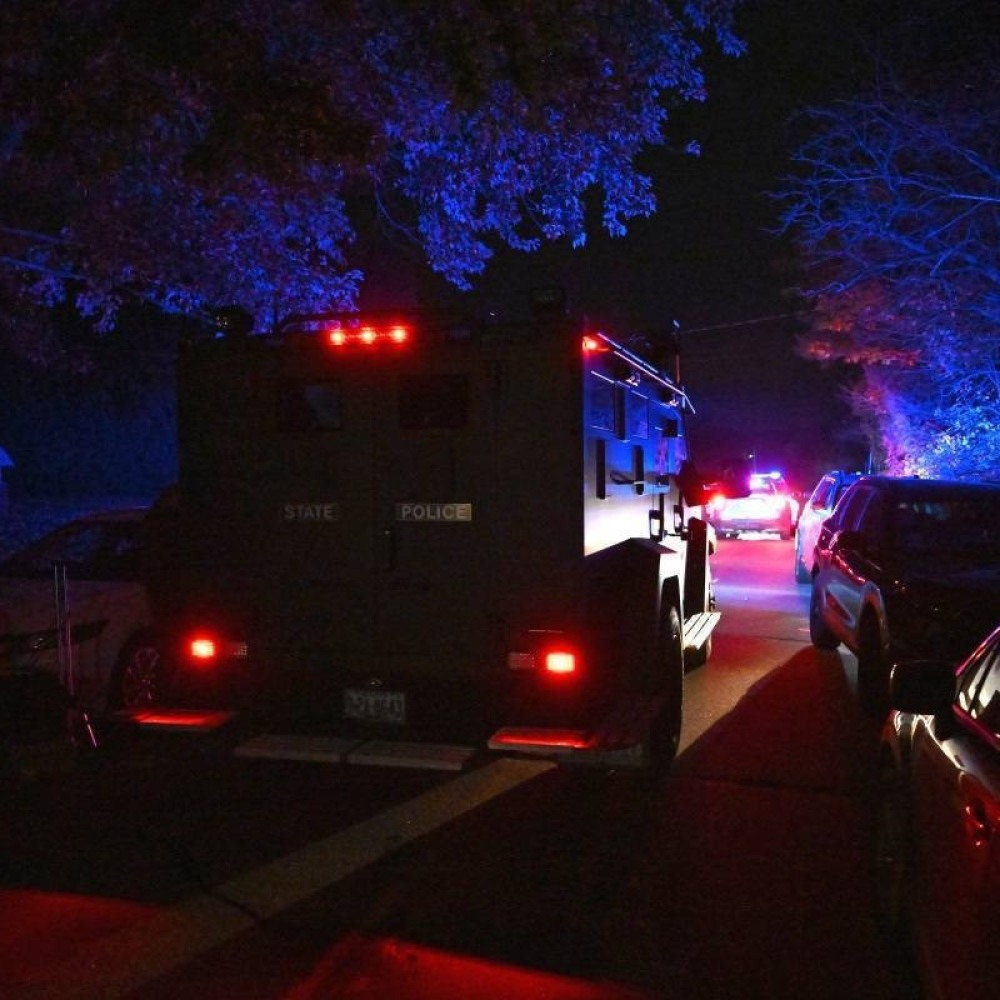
(173, 868)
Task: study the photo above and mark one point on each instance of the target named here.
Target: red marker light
(367, 335)
(336, 337)
(590, 344)
(399, 335)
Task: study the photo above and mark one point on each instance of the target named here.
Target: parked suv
(815, 511)
(906, 569)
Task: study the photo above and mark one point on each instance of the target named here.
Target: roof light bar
(366, 335)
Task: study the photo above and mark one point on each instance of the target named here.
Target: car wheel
(802, 574)
(893, 851)
(873, 669)
(138, 678)
(664, 733)
(819, 635)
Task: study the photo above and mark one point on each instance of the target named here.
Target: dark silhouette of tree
(195, 152)
(896, 210)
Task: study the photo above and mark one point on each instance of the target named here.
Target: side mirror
(923, 687)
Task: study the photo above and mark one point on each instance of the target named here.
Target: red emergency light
(366, 335)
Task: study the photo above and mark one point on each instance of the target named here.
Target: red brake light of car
(560, 661)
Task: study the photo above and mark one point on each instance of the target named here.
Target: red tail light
(207, 649)
(560, 661)
(203, 649)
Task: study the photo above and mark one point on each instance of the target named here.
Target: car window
(823, 494)
(979, 690)
(848, 514)
(100, 551)
(838, 491)
(957, 530)
(869, 521)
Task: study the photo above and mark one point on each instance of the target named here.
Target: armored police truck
(407, 524)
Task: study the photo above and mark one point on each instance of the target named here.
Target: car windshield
(952, 530)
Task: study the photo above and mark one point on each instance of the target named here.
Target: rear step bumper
(618, 741)
(698, 628)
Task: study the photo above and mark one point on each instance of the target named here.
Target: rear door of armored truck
(399, 503)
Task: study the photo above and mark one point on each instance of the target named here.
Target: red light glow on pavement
(372, 969)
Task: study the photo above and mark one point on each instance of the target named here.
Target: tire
(137, 680)
(873, 669)
(802, 574)
(819, 634)
(664, 733)
(893, 861)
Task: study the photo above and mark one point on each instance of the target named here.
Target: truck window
(308, 406)
(637, 415)
(433, 402)
(602, 404)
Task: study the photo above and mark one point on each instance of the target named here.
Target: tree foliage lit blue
(196, 152)
(896, 207)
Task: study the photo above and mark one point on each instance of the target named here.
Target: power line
(743, 322)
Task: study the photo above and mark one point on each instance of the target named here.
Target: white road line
(134, 956)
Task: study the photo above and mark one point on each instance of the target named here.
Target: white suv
(814, 512)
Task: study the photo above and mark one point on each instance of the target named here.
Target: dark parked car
(938, 844)
(115, 657)
(814, 512)
(906, 569)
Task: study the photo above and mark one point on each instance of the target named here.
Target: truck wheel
(138, 677)
(664, 734)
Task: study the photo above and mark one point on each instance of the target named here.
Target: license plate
(375, 706)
